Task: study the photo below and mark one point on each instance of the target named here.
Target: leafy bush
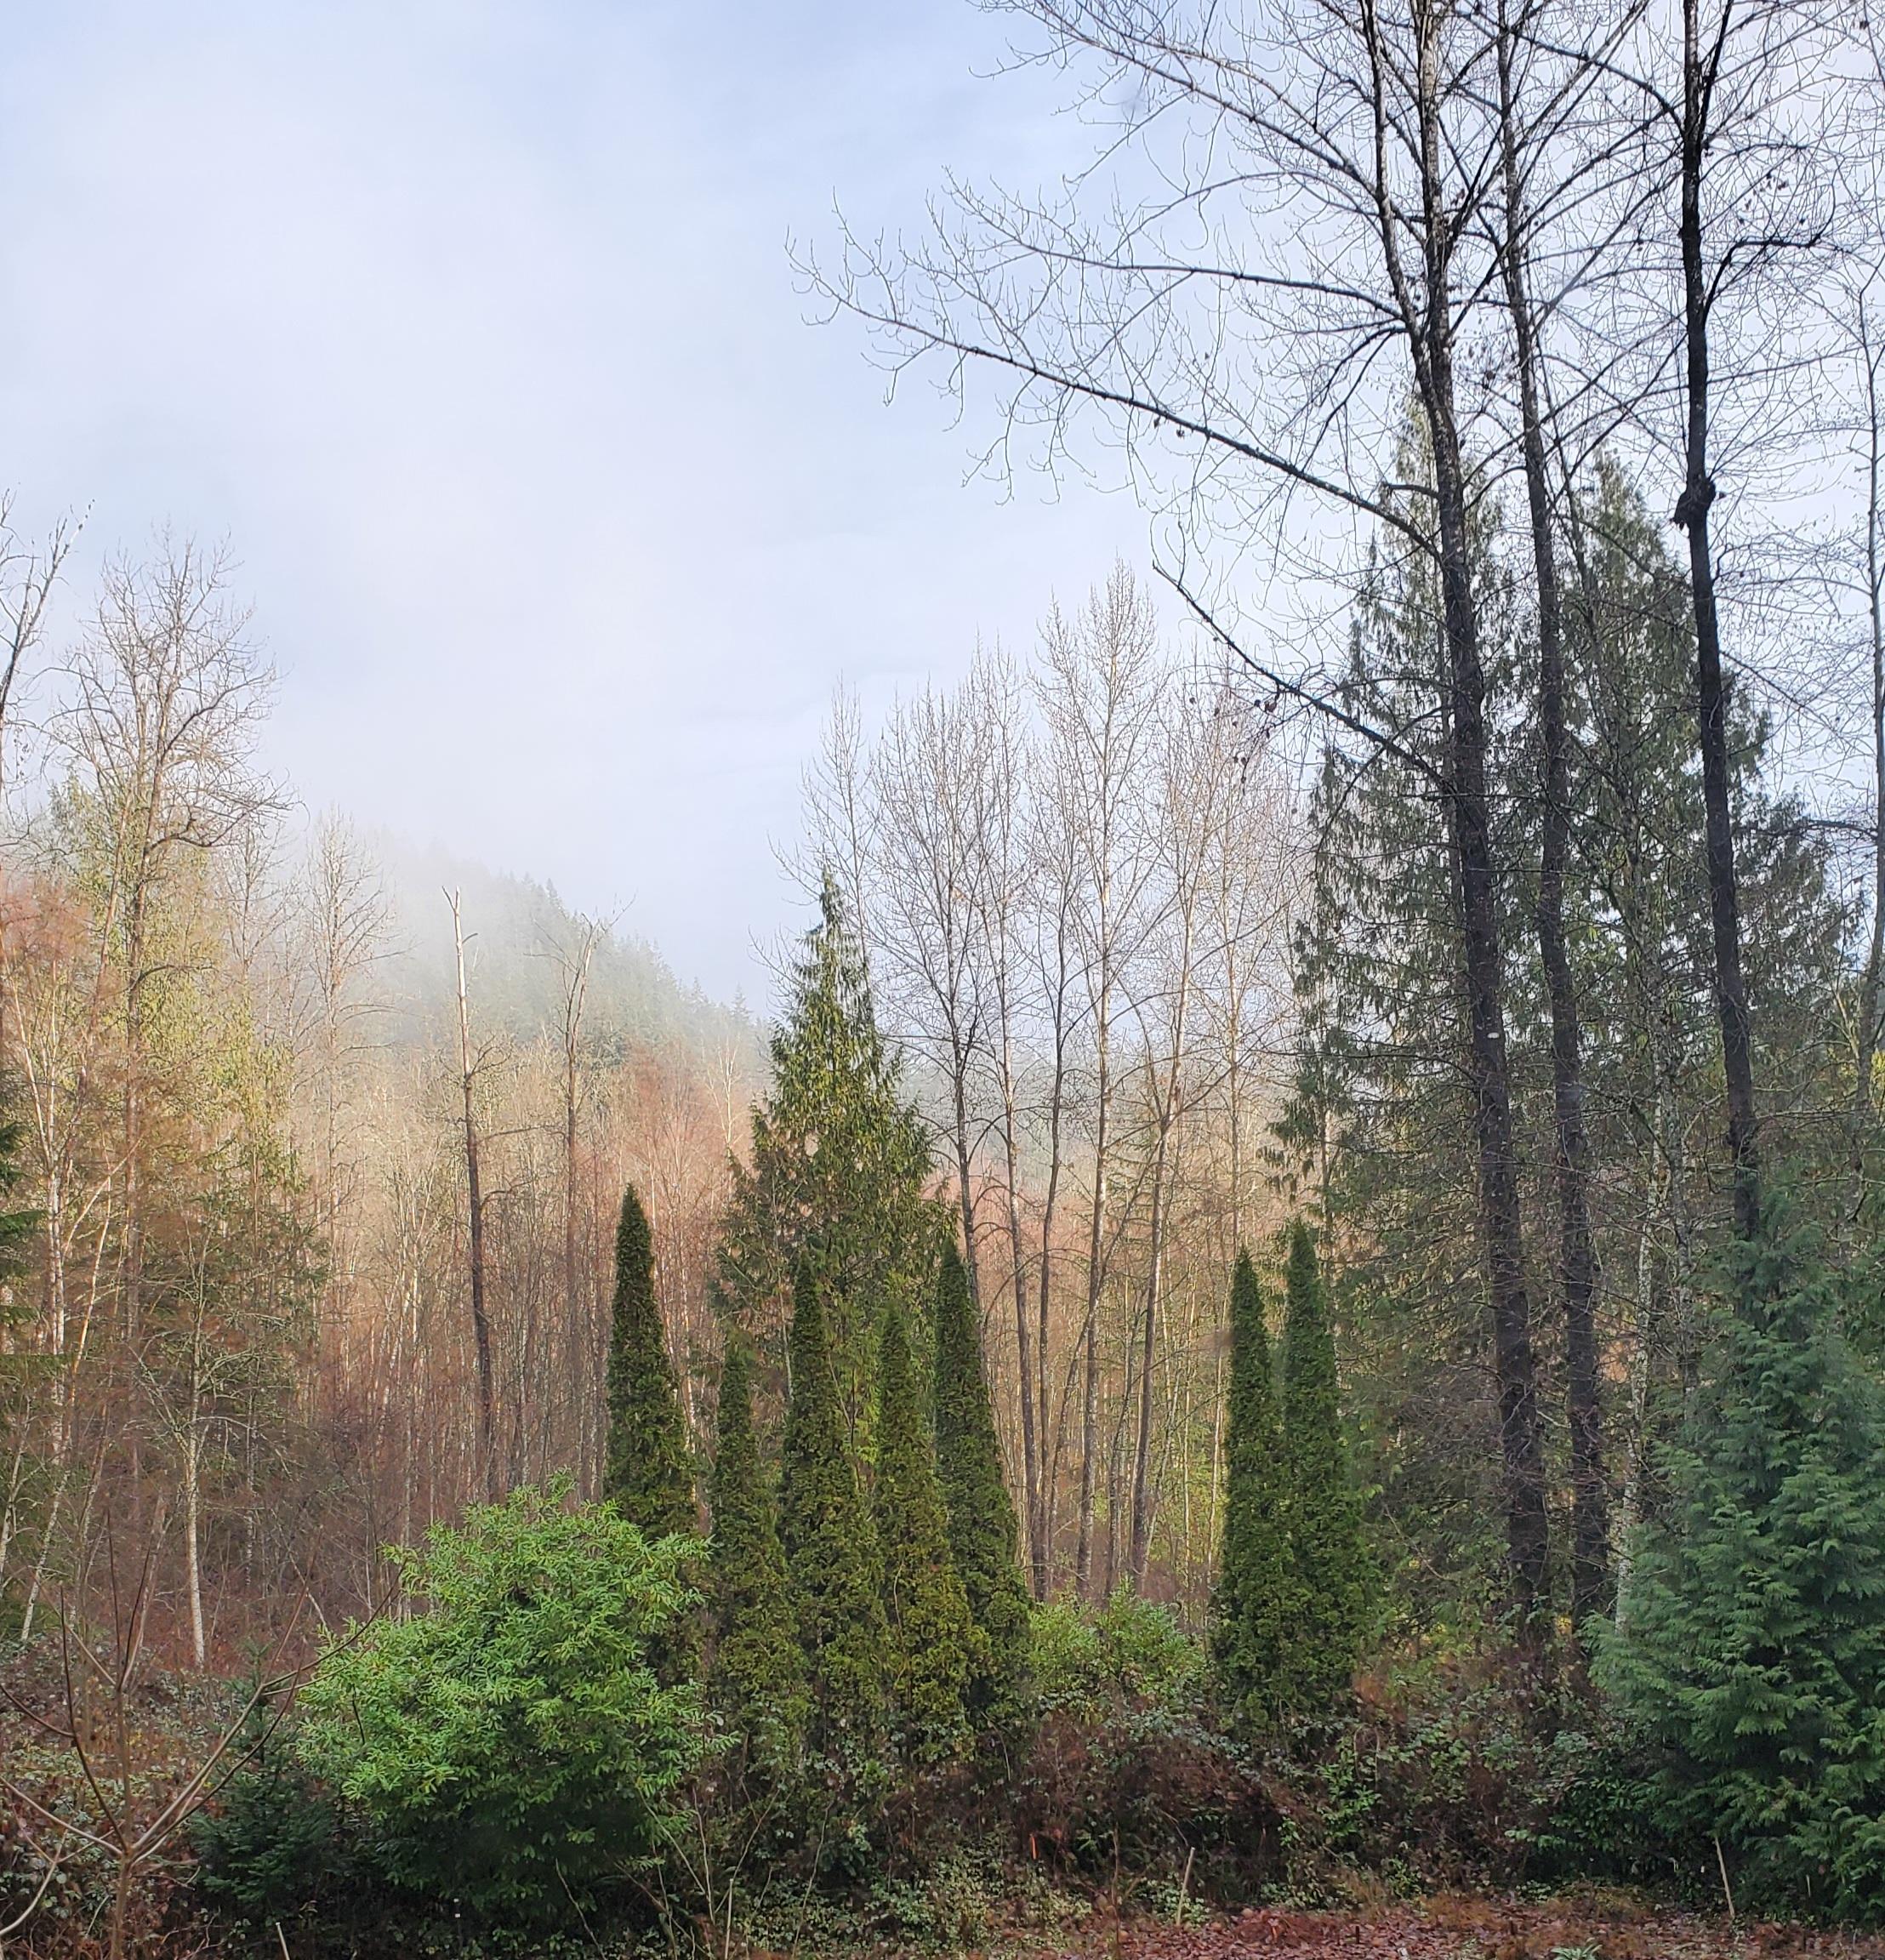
(514, 1741)
(1132, 1653)
(1124, 1766)
(1470, 1772)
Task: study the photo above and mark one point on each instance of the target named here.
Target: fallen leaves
(1450, 1927)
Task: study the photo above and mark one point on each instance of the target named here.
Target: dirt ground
(1599, 1927)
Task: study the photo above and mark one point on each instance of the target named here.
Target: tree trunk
(1161, 1173)
(1577, 1260)
(1874, 971)
(1095, 1276)
(1521, 1443)
(192, 1552)
(1691, 514)
(487, 1477)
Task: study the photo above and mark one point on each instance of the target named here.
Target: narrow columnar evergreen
(831, 1559)
(983, 1532)
(1254, 1615)
(1749, 1651)
(934, 1647)
(647, 1473)
(756, 1677)
(1332, 1593)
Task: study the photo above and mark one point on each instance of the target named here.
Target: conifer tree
(1751, 1644)
(933, 1642)
(645, 1474)
(832, 1564)
(1254, 1615)
(983, 1531)
(756, 1679)
(840, 1172)
(1332, 1594)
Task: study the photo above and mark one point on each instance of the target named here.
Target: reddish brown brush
(1452, 1927)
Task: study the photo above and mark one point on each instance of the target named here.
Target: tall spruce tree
(647, 1473)
(756, 1676)
(831, 1555)
(983, 1531)
(934, 1648)
(1333, 1590)
(1751, 1644)
(1253, 1614)
(1379, 1124)
(840, 1172)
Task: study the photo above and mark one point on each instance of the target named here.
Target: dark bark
(1870, 979)
(1431, 328)
(1699, 70)
(1577, 1259)
(481, 1317)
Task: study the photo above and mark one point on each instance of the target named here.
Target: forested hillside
(241, 1096)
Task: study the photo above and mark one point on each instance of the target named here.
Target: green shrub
(513, 1742)
(1460, 1772)
(1132, 1653)
(1751, 1655)
(271, 1841)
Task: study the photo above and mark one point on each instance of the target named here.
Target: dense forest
(1287, 1313)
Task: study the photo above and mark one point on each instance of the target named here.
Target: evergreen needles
(1751, 1647)
(830, 1554)
(933, 1642)
(647, 1475)
(1252, 1611)
(980, 1513)
(756, 1682)
(1296, 1587)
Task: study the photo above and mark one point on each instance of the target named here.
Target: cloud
(473, 328)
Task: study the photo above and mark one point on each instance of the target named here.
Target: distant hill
(514, 927)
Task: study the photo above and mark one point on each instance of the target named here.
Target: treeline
(1075, 878)
(1509, 347)
(242, 1102)
(584, 1707)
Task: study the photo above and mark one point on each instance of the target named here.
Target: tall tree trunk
(1577, 1259)
(1521, 1442)
(1692, 515)
(192, 1546)
(1024, 1338)
(486, 1477)
(1044, 1537)
(965, 1170)
(1095, 1280)
(1161, 1173)
(1874, 971)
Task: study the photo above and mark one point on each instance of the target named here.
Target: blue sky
(472, 327)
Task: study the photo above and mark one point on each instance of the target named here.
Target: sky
(472, 327)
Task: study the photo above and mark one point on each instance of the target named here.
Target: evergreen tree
(1253, 1610)
(831, 1556)
(983, 1531)
(1750, 1650)
(1333, 1582)
(933, 1642)
(839, 1171)
(1379, 1124)
(647, 1473)
(757, 1679)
